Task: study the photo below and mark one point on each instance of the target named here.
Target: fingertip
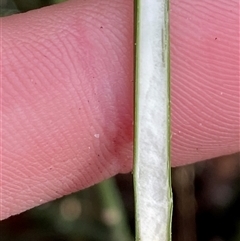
(67, 100)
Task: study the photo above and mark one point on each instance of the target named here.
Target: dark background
(206, 199)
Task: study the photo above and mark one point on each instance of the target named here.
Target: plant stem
(113, 211)
(152, 179)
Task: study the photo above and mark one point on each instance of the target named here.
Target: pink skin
(67, 91)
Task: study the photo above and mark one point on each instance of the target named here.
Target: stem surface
(152, 179)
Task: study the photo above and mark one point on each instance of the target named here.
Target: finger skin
(205, 79)
(67, 99)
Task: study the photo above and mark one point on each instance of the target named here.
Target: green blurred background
(206, 199)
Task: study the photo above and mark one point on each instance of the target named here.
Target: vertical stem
(152, 179)
(113, 211)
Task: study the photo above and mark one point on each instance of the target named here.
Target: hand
(67, 91)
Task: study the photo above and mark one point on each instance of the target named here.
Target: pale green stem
(152, 179)
(113, 211)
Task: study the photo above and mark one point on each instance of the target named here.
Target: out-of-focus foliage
(26, 5)
(207, 200)
(95, 214)
(8, 7)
